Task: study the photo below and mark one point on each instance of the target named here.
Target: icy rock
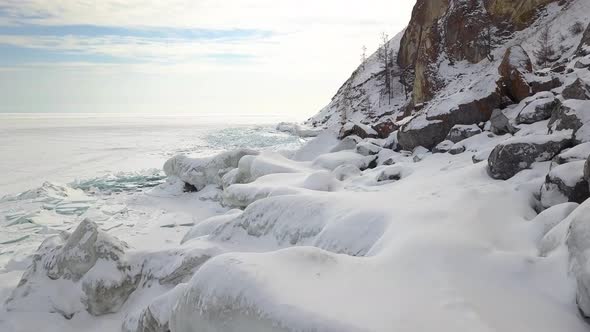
(344, 172)
(321, 144)
(538, 110)
(332, 160)
(565, 183)
(513, 71)
(298, 130)
(500, 124)
(577, 90)
(155, 316)
(578, 243)
(519, 153)
(90, 259)
(574, 115)
(203, 171)
(443, 147)
(357, 129)
(367, 149)
(578, 152)
(210, 225)
(461, 132)
(347, 143)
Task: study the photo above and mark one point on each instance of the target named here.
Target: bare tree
(344, 110)
(406, 78)
(384, 55)
(545, 52)
(488, 41)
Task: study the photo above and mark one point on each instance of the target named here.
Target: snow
(578, 152)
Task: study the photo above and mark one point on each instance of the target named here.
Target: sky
(185, 56)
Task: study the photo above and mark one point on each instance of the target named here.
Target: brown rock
(515, 65)
(385, 128)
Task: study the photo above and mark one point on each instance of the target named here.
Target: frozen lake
(64, 147)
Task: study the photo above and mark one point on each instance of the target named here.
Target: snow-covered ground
(431, 243)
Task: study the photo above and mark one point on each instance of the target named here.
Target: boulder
(572, 115)
(347, 143)
(500, 124)
(538, 110)
(461, 132)
(200, 172)
(367, 149)
(519, 153)
(513, 70)
(88, 260)
(577, 90)
(578, 244)
(583, 63)
(443, 147)
(385, 128)
(577, 153)
(357, 129)
(565, 183)
(543, 83)
(422, 132)
(457, 149)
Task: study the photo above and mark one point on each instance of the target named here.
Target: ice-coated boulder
(347, 143)
(513, 70)
(344, 172)
(89, 263)
(203, 171)
(519, 153)
(577, 90)
(578, 244)
(461, 132)
(549, 218)
(155, 316)
(358, 129)
(565, 183)
(574, 115)
(538, 110)
(578, 152)
(298, 130)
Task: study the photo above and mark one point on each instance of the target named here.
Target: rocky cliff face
(463, 66)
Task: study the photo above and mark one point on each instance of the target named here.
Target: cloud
(275, 54)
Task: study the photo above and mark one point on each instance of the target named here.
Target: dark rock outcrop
(385, 128)
(572, 115)
(422, 132)
(519, 153)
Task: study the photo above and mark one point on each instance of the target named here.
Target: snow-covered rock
(84, 270)
(298, 129)
(367, 149)
(538, 110)
(519, 153)
(357, 129)
(578, 152)
(579, 89)
(565, 183)
(461, 132)
(156, 315)
(515, 67)
(578, 243)
(203, 171)
(574, 115)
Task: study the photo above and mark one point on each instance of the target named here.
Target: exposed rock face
(519, 153)
(565, 183)
(500, 124)
(457, 28)
(515, 65)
